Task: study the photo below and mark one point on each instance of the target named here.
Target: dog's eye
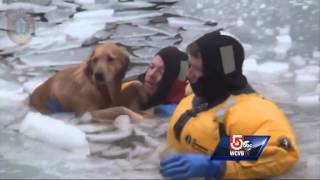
(110, 59)
(95, 60)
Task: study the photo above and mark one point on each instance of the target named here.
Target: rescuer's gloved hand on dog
(189, 165)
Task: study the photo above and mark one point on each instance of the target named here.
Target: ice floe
(183, 22)
(122, 32)
(32, 84)
(54, 132)
(124, 129)
(27, 7)
(309, 100)
(65, 57)
(94, 14)
(269, 67)
(284, 41)
(59, 15)
(146, 52)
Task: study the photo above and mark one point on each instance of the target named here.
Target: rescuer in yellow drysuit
(223, 103)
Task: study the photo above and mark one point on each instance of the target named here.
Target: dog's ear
(87, 67)
(125, 63)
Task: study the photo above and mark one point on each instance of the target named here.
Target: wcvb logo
(238, 146)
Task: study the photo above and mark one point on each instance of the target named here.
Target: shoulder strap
(221, 113)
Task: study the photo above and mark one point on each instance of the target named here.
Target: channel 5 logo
(239, 147)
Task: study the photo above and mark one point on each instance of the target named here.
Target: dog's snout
(99, 77)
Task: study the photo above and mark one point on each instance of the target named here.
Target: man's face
(195, 69)
(154, 75)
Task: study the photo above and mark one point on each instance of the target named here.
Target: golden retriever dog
(92, 85)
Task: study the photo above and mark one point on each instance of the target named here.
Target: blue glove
(185, 166)
(165, 110)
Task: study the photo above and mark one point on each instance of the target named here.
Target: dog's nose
(99, 77)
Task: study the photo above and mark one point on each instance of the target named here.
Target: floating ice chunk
(308, 74)
(32, 84)
(97, 148)
(95, 128)
(262, 6)
(6, 43)
(129, 18)
(116, 152)
(163, 1)
(146, 53)
(59, 15)
(64, 4)
(309, 100)
(183, 22)
(298, 61)
(81, 29)
(273, 67)
(134, 4)
(101, 14)
(84, 1)
(316, 54)
(122, 32)
(240, 22)
(124, 130)
(306, 78)
(284, 42)
(54, 132)
(140, 150)
(33, 8)
(269, 32)
(159, 28)
(313, 69)
(38, 2)
(317, 89)
(13, 108)
(250, 64)
(9, 88)
(65, 57)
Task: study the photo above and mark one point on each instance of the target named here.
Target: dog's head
(107, 63)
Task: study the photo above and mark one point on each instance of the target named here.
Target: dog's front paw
(86, 118)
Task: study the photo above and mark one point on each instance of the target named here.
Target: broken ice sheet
(81, 29)
(32, 84)
(161, 28)
(309, 100)
(308, 74)
(12, 101)
(164, 42)
(9, 87)
(122, 31)
(131, 41)
(146, 52)
(44, 129)
(132, 5)
(95, 128)
(65, 57)
(273, 67)
(183, 22)
(27, 7)
(123, 130)
(94, 14)
(59, 15)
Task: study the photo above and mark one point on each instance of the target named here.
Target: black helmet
(172, 58)
(222, 58)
